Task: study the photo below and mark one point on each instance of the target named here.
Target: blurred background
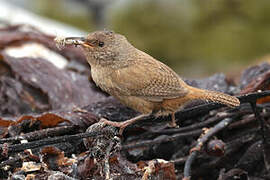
(196, 38)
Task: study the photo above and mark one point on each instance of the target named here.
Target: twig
(242, 122)
(252, 97)
(263, 134)
(12, 161)
(36, 135)
(259, 118)
(247, 120)
(180, 160)
(200, 143)
(232, 148)
(195, 126)
(49, 141)
(18, 158)
(161, 140)
(197, 110)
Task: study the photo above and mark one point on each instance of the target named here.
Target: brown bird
(137, 79)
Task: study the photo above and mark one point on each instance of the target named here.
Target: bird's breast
(102, 78)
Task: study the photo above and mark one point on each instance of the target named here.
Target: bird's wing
(156, 83)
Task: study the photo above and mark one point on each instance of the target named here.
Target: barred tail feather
(214, 96)
(218, 97)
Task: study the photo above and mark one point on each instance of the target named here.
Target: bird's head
(105, 47)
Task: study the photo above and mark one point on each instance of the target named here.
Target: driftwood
(49, 124)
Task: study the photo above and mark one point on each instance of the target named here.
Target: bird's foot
(107, 122)
(120, 125)
(124, 124)
(172, 125)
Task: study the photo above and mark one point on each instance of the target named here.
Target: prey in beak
(61, 42)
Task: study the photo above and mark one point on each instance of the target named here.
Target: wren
(137, 79)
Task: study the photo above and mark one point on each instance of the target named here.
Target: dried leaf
(5, 123)
(159, 169)
(30, 166)
(46, 120)
(256, 78)
(55, 159)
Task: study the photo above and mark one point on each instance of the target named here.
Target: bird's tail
(214, 96)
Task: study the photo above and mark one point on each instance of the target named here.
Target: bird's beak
(81, 41)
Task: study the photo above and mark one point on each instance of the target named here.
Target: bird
(137, 79)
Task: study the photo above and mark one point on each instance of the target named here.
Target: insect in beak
(77, 41)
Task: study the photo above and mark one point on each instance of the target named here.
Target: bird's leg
(173, 123)
(124, 124)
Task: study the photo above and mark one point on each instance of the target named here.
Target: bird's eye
(100, 44)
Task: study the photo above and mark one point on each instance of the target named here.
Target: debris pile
(50, 129)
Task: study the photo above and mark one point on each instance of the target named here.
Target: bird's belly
(138, 104)
(173, 105)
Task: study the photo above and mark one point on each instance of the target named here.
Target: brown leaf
(5, 123)
(260, 82)
(46, 120)
(30, 166)
(257, 79)
(87, 168)
(51, 120)
(55, 158)
(159, 169)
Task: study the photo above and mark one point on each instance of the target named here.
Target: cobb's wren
(138, 80)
